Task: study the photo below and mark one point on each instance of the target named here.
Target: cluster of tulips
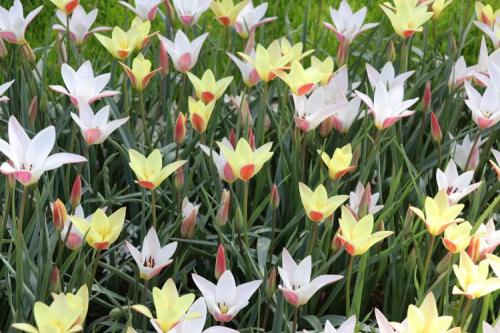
(326, 104)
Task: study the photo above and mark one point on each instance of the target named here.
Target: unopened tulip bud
(223, 211)
(238, 219)
(271, 283)
(245, 113)
(33, 110)
(454, 46)
(189, 216)
(164, 60)
(275, 197)
(232, 138)
(220, 262)
(336, 243)
(251, 138)
(427, 99)
(76, 192)
(326, 127)
(55, 280)
(59, 214)
(391, 52)
(180, 129)
(179, 178)
(436, 133)
(365, 203)
(27, 53)
(443, 264)
(3, 49)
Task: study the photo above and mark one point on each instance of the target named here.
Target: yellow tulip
(438, 6)
(357, 237)
(426, 319)
(486, 14)
(301, 81)
(122, 44)
(149, 171)
(170, 307)
(66, 6)
(406, 16)
(457, 237)
(293, 52)
(317, 204)
(200, 113)
(340, 163)
(208, 88)
(226, 11)
(244, 162)
(439, 214)
(325, 67)
(140, 73)
(473, 281)
(66, 314)
(101, 230)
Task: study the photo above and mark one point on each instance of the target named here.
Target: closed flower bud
(55, 280)
(365, 203)
(220, 262)
(164, 60)
(59, 214)
(180, 129)
(275, 197)
(76, 192)
(336, 243)
(232, 137)
(246, 115)
(391, 52)
(427, 99)
(442, 265)
(223, 211)
(27, 53)
(179, 178)
(436, 133)
(251, 139)
(271, 283)
(33, 110)
(189, 216)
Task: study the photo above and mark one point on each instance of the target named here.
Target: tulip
(484, 241)
(76, 192)
(301, 81)
(494, 262)
(457, 237)
(487, 328)
(466, 154)
(248, 72)
(72, 237)
(55, 280)
(347, 326)
(363, 202)
(357, 237)
(180, 129)
(388, 106)
(387, 76)
(189, 11)
(223, 211)
(122, 44)
(341, 162)
(200, 113)
(311, 111)
(473, 281)
(486, 108)
(296, 284)
(96, 128)
(274, 199)
(495, 164)
(493, 32)
(65, 6)
(140, 74)
(171, 309)
(183, 52)
(244, 162)
(485, 13)
(179, 178)
(80, 24)
(407, 16)
(101, 231)
(325, 67)
(225, 299)
(226, 11)
(153, 258)
(144, 9)
(65, 314)
(425, 318)
(220, 262)
(454, 185)
(149, 171)
(293, 52)
(347, 25)
(164, 60)
(317, 204)
(250, 18)
(224, 169)
(437, 134)
(439, 213)
(3, 88)
(189, 216)
(82, 86)
(59, 214)
(208, 88)
(271, 283)
(29, 158)
(13, 24)
(438, 6)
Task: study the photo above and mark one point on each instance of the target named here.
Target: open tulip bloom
(387, 76)
(248, 71)
(484, 241)
(29, 158)
(493, 31)
(301, 81)
(225, 299)
(296, 284)
(82, 86)
(457, 237)
(3, 88)
(13, 24)
(121, 44)
(145, 9)
(140, 74)
(347, 25)
(455, 186)
(207, 88)
(153, 257)
(250, 18)
(80, 24)
(224, 169)
(226, 11)
(317, 204)
(341, 162)
(407, 16)
(189, 11)
(96, 128)
(362, 201)
(183, 52)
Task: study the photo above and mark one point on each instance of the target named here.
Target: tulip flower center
(224, 309)
(224, 20)
(150, 262)
(207, 97)
(451, 190)
(247, 171)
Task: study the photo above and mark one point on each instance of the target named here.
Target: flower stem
(312, 239)
(245, 211)
(94, 269)
(19, 254)
(144, 119)
(348, 286)
(144, 301)
(423, 280)
(295, 319)
(465, 313)
(68, 40)
(153, 207)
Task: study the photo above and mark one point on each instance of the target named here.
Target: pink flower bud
(59, 214)
(164, 60)
(437, 135)
(223, 212)
(275, 197)
(427, 99)
(180, 129)
(189, 215)
(271, 282)
(251, 138)
(232, 138)
(179, 178)
(336, 243)
(76, 192)
(55, 280)
(220, 262)
(365, 203)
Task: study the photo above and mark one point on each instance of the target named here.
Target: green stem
(94, 270)
(245, 212)
(423, 280)
(313, 238)
(153, 207)
(19, 255)
(348, 286)
(68, 40)
(144, 301)
(144, 119)
(465, 313)
(295, 319)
